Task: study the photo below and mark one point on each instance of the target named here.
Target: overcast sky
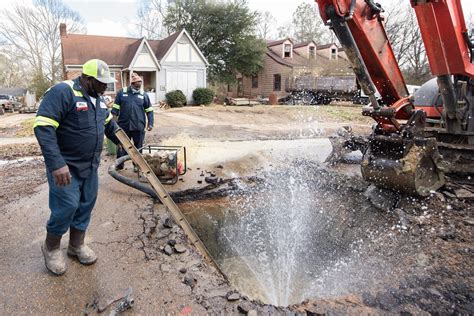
(115, 17)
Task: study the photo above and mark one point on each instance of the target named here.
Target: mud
(407, 256)
(20, 178)
(419, 262)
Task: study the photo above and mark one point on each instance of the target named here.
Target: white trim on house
(138, 52)
(192, 43)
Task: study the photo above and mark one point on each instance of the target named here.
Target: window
(111, 86)
(144, 50)
(277, 82)
(312, 52)
(333, 53)
(287, 50)
(255, 81)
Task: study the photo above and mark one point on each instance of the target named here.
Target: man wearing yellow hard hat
(70, 126)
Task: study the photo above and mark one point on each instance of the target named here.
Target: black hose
(130, 182)
(351, 10)
(374, 6)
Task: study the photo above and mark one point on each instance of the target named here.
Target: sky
(115, 17)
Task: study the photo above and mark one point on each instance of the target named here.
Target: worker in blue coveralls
(70, 126)
(131, 106)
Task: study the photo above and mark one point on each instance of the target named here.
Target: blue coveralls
(130, 107)
(70, 130)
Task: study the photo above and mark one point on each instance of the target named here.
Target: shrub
(203, 96)
(175, 98)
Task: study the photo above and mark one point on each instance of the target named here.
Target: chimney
(62, 29)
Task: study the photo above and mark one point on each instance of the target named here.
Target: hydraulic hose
(130, 182)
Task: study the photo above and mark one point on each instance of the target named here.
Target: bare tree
(404, 34)
(265, 27)
(31, 34)
(285, 31)
(10, 72)
(149, 19)
(308, 25)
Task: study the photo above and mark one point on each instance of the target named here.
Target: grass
(26, 128)
(343, 113)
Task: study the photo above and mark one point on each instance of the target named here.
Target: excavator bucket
(411, 166)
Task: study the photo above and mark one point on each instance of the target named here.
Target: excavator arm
(399, 154)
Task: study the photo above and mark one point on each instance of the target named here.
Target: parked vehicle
(312, 90)
(9, 103)
(5, 103)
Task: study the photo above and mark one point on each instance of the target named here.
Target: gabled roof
(79, 48)
(303, 44)
(296, 61)
(160, 48)
(137, 50)
(278, 42)
(326, 46)
(172, 39)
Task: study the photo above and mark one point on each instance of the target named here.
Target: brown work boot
(53, 257)
(78, 249)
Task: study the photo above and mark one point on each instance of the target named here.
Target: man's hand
(62, 176)
(149, 128)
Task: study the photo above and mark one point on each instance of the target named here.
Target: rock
(220, 166)
(174, 230)
(380, 198)
(165, 268)
(190, 281)
(252, 313)
(183, 270)
(168, 250)
(245, 307)
(202, 174)
(469, 221)
(179, 248)
(464, 194)
(171, 242)
(213, 174)
(447, 233)
(440, 196)
(233, 297)
(163, 233)
(449, 194)
(169, 223)
(211, 180)
(403, 217)
(199, 181)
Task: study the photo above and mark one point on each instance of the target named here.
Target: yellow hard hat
(99, 70)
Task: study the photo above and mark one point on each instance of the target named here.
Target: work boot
(77, 248)
(53, 257)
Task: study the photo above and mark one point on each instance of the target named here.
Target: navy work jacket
(70, 128)
(130, 107)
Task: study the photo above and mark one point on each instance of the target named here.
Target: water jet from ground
(301, 233)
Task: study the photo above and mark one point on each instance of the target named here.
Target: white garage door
(185, 81)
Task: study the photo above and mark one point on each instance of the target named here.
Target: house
(173, 63)
(285, 60)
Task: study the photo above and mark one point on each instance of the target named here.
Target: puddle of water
(19, 160)
(296, 236)
(201, 152)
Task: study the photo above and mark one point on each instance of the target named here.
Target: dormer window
(287, 50)
(333, 53)
(312, 52)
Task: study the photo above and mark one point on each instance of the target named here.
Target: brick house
(285, 60)
(169, 64)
